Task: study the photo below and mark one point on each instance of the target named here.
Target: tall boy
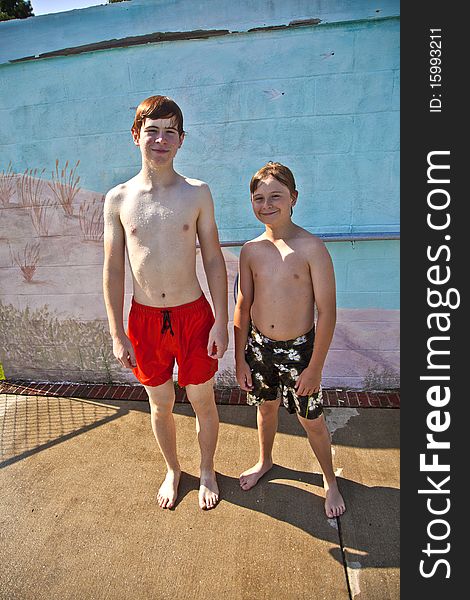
(279, 353)
(155, 217)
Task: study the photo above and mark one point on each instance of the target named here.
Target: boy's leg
(207, 427)
(319, 439)
(267, 420)
(162, 399)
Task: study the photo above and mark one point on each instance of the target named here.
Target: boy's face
(159, 140)
(272, 202)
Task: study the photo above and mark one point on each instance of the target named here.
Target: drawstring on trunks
(166, 322)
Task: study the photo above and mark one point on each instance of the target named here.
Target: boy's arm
(113, 281)
(324, 289)
(216, 273)
(241, 320)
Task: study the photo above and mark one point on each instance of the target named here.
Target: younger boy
(284, 273)
(155, 217)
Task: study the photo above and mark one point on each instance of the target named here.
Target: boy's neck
(282, 231)
(162, 176)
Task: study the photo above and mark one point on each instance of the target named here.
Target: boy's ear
(294, 197)
(135, 136)
(181, 139)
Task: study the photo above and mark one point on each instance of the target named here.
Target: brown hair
(157, 107)
(274, 169)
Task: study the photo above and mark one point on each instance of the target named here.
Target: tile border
(229, 395)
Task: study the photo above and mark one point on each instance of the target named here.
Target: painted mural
(327, 106)
(47, 227)
(53, 231)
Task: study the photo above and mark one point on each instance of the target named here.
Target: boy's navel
(296, 276)
(185, 227)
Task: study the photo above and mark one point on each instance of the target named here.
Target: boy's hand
(243, 373)
(218, 341)
(124, 352)
(309, 382)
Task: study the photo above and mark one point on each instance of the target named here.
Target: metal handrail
(335, 237)
(326, 237)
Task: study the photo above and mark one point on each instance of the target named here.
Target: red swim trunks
(162, 335)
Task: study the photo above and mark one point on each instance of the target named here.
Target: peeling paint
(339, 417)
(158, 36)
(161, 36)
(297, 23)
(304, 22)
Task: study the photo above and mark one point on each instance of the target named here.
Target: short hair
(274, 169)
(157, 107)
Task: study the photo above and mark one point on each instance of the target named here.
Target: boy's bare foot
(250, 477)
(334, 503)
(168, 491)
(208, 490)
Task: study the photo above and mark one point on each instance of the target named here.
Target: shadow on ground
(30, 424)
(78, 489)
(275, 495)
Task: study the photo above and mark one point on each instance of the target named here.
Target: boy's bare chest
(280, 269)
(146, 221)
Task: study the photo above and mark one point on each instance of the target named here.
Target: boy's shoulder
(114, 199)
(308, 239)
(259, 238)
(120, 191)
(310, 246)
(251, 245)
(195, 188)
(195, 183)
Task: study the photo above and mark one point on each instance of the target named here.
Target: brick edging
(99, 391)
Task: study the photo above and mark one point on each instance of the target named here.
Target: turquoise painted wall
(323, 99)
(309, 83)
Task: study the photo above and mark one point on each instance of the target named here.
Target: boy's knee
(317, 425)
(269, 407)
(203, 405)
(161, 408)
(162, 402)
(201, 395)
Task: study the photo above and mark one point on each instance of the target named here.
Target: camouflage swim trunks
(276, 366)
